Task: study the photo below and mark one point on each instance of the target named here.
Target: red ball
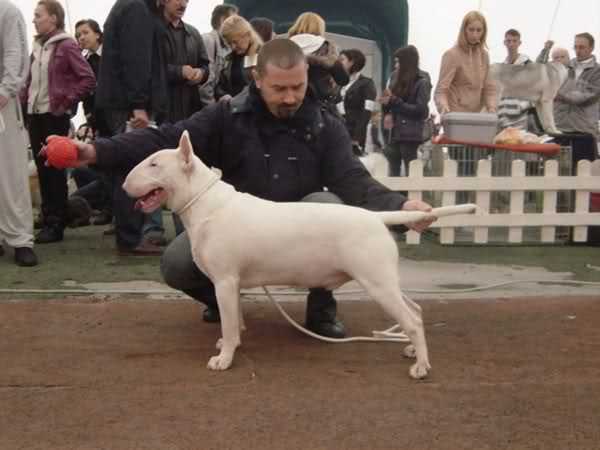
(61, 152)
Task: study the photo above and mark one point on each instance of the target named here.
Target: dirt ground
(131, 374)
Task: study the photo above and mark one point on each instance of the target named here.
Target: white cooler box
(470, 127)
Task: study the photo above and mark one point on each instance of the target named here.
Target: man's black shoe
(211, 314)
(102, 218)
(49, 234)
(25, 257)
(78, 212)
(331, 328)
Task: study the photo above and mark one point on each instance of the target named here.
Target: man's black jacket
(279, 160)
(133, 69)
(184, 99)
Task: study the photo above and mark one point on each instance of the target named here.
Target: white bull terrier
(241, 241)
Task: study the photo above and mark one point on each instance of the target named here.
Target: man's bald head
(561, 55)
(281, 75)
(281, 53)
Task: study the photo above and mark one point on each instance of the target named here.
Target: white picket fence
(446, 186)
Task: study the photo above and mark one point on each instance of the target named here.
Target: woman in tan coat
(464, 84)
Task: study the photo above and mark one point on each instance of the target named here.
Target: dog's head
(165, 176)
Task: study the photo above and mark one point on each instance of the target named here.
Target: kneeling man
(275, 141)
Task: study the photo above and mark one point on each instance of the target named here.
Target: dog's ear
(185, 148)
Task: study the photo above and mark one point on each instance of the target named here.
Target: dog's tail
(404, 217)
(401, 217)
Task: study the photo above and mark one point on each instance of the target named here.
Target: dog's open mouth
(152, 200)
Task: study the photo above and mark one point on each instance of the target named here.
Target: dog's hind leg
(389, 296)
(416, 308)
(545, 112)
(228, 293)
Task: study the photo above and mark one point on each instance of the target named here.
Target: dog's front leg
(228, 300)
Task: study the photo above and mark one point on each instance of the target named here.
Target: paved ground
(130, 374)
(510, 371)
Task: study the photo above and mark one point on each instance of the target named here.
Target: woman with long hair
(406, 102)
(326, 74)
(308, 23)
(465, 84)
(245, 44)
(59, 77)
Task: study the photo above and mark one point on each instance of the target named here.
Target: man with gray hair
(275, 142)
(556, 54)
(216, 50)
(576, 105)
(16, 217)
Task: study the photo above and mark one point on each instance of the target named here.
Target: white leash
(389, 335)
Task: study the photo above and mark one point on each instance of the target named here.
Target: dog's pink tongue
(139, 204)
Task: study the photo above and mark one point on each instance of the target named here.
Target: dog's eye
(153, 164)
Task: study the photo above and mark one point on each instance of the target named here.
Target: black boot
(321, 309)
(78, 212)
(211, 314)
(208, 297)
(25, 257)
(52, 231)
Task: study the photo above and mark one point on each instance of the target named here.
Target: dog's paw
(419, 371)
(409, 351)
(220, 362)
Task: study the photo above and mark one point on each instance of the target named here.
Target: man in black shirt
(187, 62)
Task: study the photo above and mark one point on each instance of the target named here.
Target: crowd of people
(282, 117)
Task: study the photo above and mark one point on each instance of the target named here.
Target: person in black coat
(272, 141)
(132, 93)
(187, 62)
(132, 83)
(89, 36)
(355, 95)
(406, 101)
(92, 186)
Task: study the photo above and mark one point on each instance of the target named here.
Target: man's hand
(418, 205)
(197, 77)
(385, 97)
(86, 153)
(561, 98)
(192, 75)
(3, 101)
(187, 72)
(140, 119)
(388, 122)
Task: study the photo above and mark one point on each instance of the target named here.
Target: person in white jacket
(16, 217)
